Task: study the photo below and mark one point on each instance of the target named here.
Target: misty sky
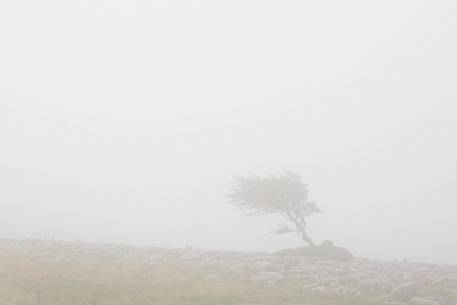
(124, 121)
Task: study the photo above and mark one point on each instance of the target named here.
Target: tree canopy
(284, 193)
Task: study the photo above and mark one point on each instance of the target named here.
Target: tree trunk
(307, 239)
(300, 226)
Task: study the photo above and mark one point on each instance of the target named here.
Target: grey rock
(269, 276)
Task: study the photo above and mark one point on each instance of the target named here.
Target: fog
(125, 121)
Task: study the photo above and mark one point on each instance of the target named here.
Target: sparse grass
(47, 281)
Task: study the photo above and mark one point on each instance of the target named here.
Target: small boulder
(326, 250)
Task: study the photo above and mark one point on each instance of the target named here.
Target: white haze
(124, 121)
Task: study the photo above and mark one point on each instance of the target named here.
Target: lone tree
(285, 194)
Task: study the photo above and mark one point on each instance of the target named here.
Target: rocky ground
(394, 283)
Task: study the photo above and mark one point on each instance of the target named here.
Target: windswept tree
(284, 194)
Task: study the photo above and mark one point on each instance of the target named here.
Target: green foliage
(271, 194)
